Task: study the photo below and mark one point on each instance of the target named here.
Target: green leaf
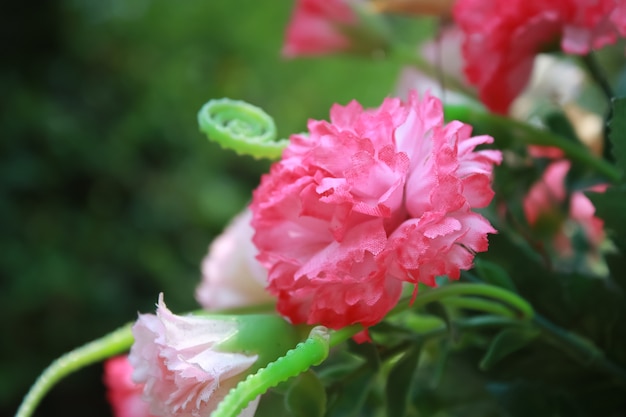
(505, 343)
(525, 398)
(272, 404)
(558, 123)
(617, 135)
(401, 381)
(610, 207)
(438, 310)
(306, 396)
(347, 398)
(493, 273)
(367, 351)
(440, 363)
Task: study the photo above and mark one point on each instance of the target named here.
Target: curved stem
(263, 308)
(479, 304)
(339, 336)
(514, 306)
(505, 129)
(112, 344)
(241, 127)
(582, 350)
(311, 352)
(598, 76)
(523, 309)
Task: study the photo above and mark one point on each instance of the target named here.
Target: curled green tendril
(112, 344)
(309, 353)
(241, 127)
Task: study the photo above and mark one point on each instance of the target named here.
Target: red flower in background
(123, 394)
(367, 201)
(315, 27)
(502, 38)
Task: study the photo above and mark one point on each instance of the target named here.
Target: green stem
(505, 130)
(450, 294)
(598, 76)
(471, 323)
(479, 304)
(339, 336)
(518, 304)
(311, 352)
(112, 344)
(582, 350)
(265, 308)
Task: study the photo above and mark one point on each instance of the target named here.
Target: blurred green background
(108, 192)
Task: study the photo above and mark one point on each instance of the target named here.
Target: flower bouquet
(457, 250)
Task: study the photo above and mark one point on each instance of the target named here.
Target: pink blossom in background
(231, 275)
(502, 38)
(551, 152)
(123, 394)
(547, 194)
(176, 359)
(315, 27)
(546, 199)
(367, 201)
(583, 212)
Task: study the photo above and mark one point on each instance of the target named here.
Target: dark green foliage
(306, 396)
(494, 274)
(401, 383)
(617, 132)
(505, 343)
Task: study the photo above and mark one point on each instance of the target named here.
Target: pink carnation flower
(503, 37)
(231, 275)
(178, 361)
(123, 394)
(546, 198)
(367, 201)
(315, 27)
(547, 194)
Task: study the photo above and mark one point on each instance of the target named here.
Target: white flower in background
(231, 275)
(444, 54)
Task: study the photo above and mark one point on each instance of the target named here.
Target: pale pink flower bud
(179, 361)
(231, 275)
